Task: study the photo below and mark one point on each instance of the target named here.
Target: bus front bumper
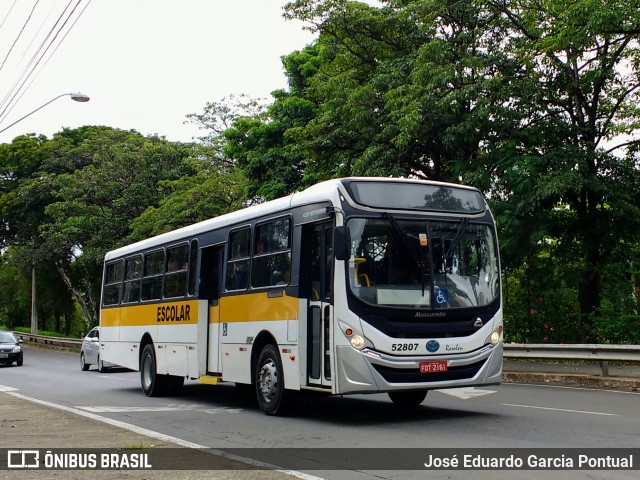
(366, 371)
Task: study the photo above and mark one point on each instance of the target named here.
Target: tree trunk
(67, 324)
(590, 288)
(87, 305)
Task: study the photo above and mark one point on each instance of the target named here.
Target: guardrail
(541, 351)
(600, 353)
(70, 343)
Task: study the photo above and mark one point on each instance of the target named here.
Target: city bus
(354, 285)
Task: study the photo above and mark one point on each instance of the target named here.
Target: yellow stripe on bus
(258, 307)
(250, 307)
(174, 313)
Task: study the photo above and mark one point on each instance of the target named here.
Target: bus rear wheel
(408, 399)
(273, 398)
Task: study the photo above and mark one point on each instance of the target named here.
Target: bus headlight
(357, 341)
(495, 337)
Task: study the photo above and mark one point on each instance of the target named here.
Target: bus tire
(153, 385)
(408, 399)
(273, 398)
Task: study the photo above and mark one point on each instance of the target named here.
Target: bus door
(209, 327)
(318, 245)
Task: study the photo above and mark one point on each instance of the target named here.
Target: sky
(145, 64)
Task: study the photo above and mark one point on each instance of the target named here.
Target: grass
(137, 446)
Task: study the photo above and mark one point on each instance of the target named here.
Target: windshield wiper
(456, 238)
(400, 234)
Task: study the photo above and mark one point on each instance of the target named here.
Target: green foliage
(192, 198)
(15, 285)
(534, 102)
(89, 190)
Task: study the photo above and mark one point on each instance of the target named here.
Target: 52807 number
(404, 347)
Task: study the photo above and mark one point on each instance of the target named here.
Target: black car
(10, 349)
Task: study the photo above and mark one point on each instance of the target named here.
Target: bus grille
(413, 375)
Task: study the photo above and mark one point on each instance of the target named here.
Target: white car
(90, 352)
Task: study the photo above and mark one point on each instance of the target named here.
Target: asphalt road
(222, 417)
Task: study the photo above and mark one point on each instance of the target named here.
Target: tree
(411, 88)
(101, 179)
(535, 102)
(571, 169)
(15, 288)
(211, 191)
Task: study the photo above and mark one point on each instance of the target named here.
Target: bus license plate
(432, 367)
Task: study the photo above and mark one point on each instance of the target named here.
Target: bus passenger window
(176, 271)
(113, 283)
(272, 258)
(238, 260)
(193, 267)
(132, 275)
(152, 276)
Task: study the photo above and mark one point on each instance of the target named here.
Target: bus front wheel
(273, 398)
(408, 399)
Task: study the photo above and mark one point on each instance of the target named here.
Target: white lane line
(109, 421)
(177, 408)
(162, 436)
(7, 389)
(559, 409)
(128, 409)
(573, 388)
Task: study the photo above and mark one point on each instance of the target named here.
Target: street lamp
(78, 97)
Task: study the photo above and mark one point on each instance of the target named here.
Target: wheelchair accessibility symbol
(442, 296)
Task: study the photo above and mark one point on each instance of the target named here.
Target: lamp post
(78, 97)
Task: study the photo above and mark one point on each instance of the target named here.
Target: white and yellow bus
(354, 285)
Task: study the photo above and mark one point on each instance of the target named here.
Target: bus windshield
(423, 264)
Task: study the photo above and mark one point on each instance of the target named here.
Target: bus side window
(113, 283)
(238, 260)
(193, 267)
(152, 275)
(176, 271)
(271, 264)
(132, 275)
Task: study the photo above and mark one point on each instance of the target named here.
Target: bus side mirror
(342, 243)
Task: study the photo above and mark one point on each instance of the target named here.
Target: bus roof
(323, 191)
(318, 192)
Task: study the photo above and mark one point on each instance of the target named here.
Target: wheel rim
(147, 374)
(268, 380)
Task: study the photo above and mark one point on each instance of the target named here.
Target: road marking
(128, 409)
(560, 409)
(178, 408)
(8, 389)
(466, 393)
(573, 388)
(161, 436)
